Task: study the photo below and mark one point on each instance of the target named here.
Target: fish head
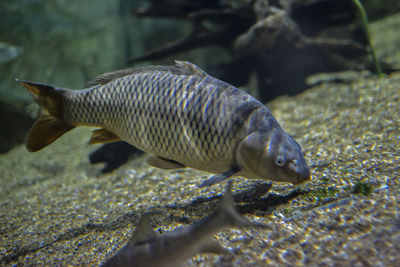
(272, 155)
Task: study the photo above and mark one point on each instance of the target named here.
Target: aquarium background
(57, 208)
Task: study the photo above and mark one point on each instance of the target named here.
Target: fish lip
(302, 176)
(302, 173)
(303, 180)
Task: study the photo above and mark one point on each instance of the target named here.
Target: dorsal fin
(191, 68)
(180, 68)
(143, 231)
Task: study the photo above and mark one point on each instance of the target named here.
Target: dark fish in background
(147, 248)
(113, 155)
(180, 115)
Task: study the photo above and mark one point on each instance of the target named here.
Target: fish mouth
(303, 180)
(303, 177)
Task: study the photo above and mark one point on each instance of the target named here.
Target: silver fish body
(184, 118)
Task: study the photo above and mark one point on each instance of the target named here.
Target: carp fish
(147, 248)
(180, 115)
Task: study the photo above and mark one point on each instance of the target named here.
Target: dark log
(274, 39)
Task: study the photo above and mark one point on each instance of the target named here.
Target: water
(56, 207)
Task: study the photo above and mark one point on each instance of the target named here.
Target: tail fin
(50, 125)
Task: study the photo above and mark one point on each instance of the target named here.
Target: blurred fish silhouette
(180, 115)
(8, 51)
(172, 248)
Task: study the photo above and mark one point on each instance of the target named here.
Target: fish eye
(280, 162)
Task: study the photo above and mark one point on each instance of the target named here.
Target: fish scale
(148, 128)
(180, 115)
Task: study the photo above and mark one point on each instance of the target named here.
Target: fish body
(147, 248)
(180, 115)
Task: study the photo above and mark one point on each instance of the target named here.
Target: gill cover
(249, 152)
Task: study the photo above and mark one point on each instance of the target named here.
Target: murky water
(56, 208)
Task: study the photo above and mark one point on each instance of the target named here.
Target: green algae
(362, 188)
(321, 193)
(324, 191)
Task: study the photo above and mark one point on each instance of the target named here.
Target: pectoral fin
(220, 177)
(212, 246)
(164, 163)
(101, 136)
